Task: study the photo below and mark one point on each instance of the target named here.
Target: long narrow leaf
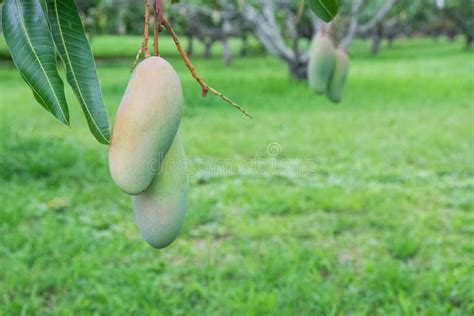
(32, 49)
(324, 9)
(73, 46)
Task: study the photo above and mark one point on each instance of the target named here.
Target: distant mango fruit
(146, 124)
(159, 211)
(339, 76)
(321, 63)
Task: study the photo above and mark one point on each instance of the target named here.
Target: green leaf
(71, 41)
(32, 49)
(40, 101)
(326, 10)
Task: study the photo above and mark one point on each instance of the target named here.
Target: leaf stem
(205, 87)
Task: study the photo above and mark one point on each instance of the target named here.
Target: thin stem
(158, 17)
(205, 87)
(144, 47)
(145, 50)
(185, 57)
(137, 58)
(156, 51)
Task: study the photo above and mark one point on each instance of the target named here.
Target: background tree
(210, 22)
(284, 27)
(461, 13)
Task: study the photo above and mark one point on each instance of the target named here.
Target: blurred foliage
(418, 16)
(112, 16)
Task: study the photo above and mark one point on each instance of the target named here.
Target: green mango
(159, 211)
(146, 124)
(321, 63)
(339, 76)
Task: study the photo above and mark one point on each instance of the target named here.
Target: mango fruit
(159, 211)
(321, 63)
(146, 124)
(339, 76)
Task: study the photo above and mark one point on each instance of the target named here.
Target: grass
(375, 219)
(106, 47)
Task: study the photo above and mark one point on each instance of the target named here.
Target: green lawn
(374, 217)
(126, 47)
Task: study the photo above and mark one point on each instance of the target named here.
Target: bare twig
(156, 50)
(158, 17)
(137, 58)
(145, 50)
(144, 47)
(205, 87)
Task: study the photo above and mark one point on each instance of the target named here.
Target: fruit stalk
(144, 47)
(158, 18)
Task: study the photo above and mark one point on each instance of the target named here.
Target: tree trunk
(208, 48)
(376, 41)
(377, 38)
(451, 35)
(245, 46)
(469, 40)
(190, 49)
(122, 11)
(298, 70)
(390, 40)
(227, 52)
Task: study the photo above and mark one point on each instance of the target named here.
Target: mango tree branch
(205, 87)
(378, 17)
(300, 13)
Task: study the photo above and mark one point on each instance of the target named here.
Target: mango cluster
(146, 155)
(328, 68)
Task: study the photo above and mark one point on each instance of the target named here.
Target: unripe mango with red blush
(321, 64)
(338, 79)
(159, 211)
(145, 125)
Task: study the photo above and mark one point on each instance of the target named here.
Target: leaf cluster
(35, 32)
